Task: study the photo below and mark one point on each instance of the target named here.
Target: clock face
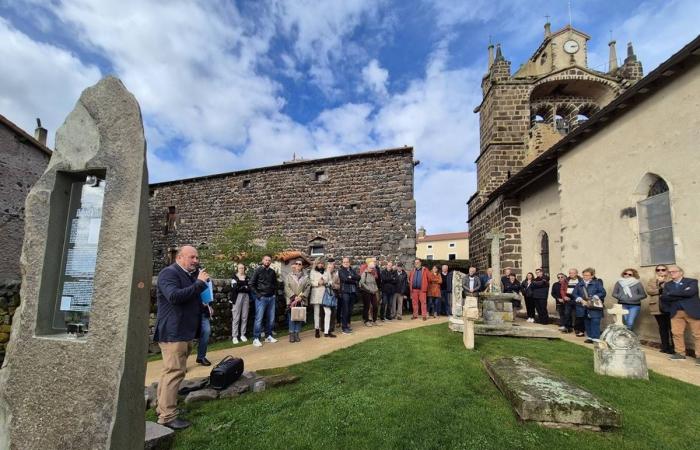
(571, 46)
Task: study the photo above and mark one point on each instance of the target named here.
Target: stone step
(538, 395)
(158, 437)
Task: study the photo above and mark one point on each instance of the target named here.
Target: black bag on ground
(226, 372)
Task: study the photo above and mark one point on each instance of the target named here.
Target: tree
(239, 243)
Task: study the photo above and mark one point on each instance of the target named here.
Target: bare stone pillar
(75, 365)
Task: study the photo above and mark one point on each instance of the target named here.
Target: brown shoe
(425, 318)
(414, 318)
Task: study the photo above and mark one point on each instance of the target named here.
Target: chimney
(612, 59)
(547, 30)
(421, 232)
(40, 132)
(490, 55)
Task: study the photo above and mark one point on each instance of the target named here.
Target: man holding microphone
(177, 324)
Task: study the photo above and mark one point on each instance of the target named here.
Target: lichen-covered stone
(281, 379)
(202, 395)
(158, 437)
(540, 396)
(618, 353)
(515, 331)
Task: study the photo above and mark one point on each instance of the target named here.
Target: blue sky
(227, 85)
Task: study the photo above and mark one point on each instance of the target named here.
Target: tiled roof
(444, 237)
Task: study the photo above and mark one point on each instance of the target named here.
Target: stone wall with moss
(9, 302)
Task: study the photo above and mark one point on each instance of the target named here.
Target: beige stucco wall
(600, 179)
(441, 249)
(540, 213)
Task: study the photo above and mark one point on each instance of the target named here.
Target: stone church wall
(600, 227)
(357, 205)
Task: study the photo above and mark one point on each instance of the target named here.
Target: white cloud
(375, 77)
(39, 80)
(441, 196)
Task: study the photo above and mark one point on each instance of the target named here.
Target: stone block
(281, 379)
(150, 394)
(202, 395)
(236, 389)
(158, 437)
(407, 243)
(618, 353)
(259, 386)
(192, 384)
(540, 396)
(515, 331)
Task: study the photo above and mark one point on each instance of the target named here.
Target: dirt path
(283, 353)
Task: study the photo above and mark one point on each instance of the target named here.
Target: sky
(227, 85)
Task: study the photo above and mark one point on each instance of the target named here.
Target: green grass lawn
(421, 389)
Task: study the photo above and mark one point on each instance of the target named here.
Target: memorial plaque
(76, 285)
(76, 360)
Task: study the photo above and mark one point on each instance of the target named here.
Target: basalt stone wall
(9, 302)
(356, 205)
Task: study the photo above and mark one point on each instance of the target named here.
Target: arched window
(655, 224)
(544, 253)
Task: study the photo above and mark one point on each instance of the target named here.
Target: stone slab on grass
(538, 395)
(202, 394)
(515, 331)
(280, 379)
(158, 437)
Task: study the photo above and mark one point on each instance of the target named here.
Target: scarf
(627, 283)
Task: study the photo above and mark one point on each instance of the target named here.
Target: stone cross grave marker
(471, 313)
(75, 367)
(619, 312)
(495, 235)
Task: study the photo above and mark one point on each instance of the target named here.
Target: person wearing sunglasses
(654, 288)
(629, 292)
(680, 299)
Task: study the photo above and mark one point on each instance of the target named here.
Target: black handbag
(226, 372)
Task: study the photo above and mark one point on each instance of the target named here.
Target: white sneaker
(257, 343)
(271, 340)
(234, 340)
(244, 339)
(562, 328)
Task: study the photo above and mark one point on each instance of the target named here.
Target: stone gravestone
(618, 352)
(73, 376)
(495, 235)
(471, 313)
(456, 323)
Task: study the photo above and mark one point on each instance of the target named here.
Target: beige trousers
(396, 309)
(174, 366)
(678, 324)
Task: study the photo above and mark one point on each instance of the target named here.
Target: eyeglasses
(627, 274)
(297, 264)
(561, 277)
(661, 270)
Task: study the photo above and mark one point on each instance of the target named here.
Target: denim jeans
(205, 332)
(433, 305)
(347, 301)
(264, 305)
(294, 325)
(569, 314)
(592, 327)
(445, 303)
(632, 316)
(385, 310)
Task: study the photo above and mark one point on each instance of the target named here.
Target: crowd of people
(387, 291)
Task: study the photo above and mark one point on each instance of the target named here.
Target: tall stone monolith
(75, 365)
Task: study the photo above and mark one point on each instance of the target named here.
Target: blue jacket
(594, 288)
(683, 295)
(179, 303)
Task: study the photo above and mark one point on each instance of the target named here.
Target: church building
(605, 175)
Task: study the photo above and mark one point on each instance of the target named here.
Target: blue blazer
(179, 303)
(595, 287)
(683, 295)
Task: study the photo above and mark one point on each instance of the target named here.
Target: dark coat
(556, 291)
(402, 286)
(540, 288)
(389, 280)
(513, 287)
(484, 281)
(348, 280)
(179, 305)
(446, 285)
(683, 295)
(465, 285)
(263, 283)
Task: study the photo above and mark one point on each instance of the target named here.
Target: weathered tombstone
(471, 313)
(456, 323)
(618, 352)
(537, 395)
(73, 376)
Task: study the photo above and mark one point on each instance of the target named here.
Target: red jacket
(424, 279)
